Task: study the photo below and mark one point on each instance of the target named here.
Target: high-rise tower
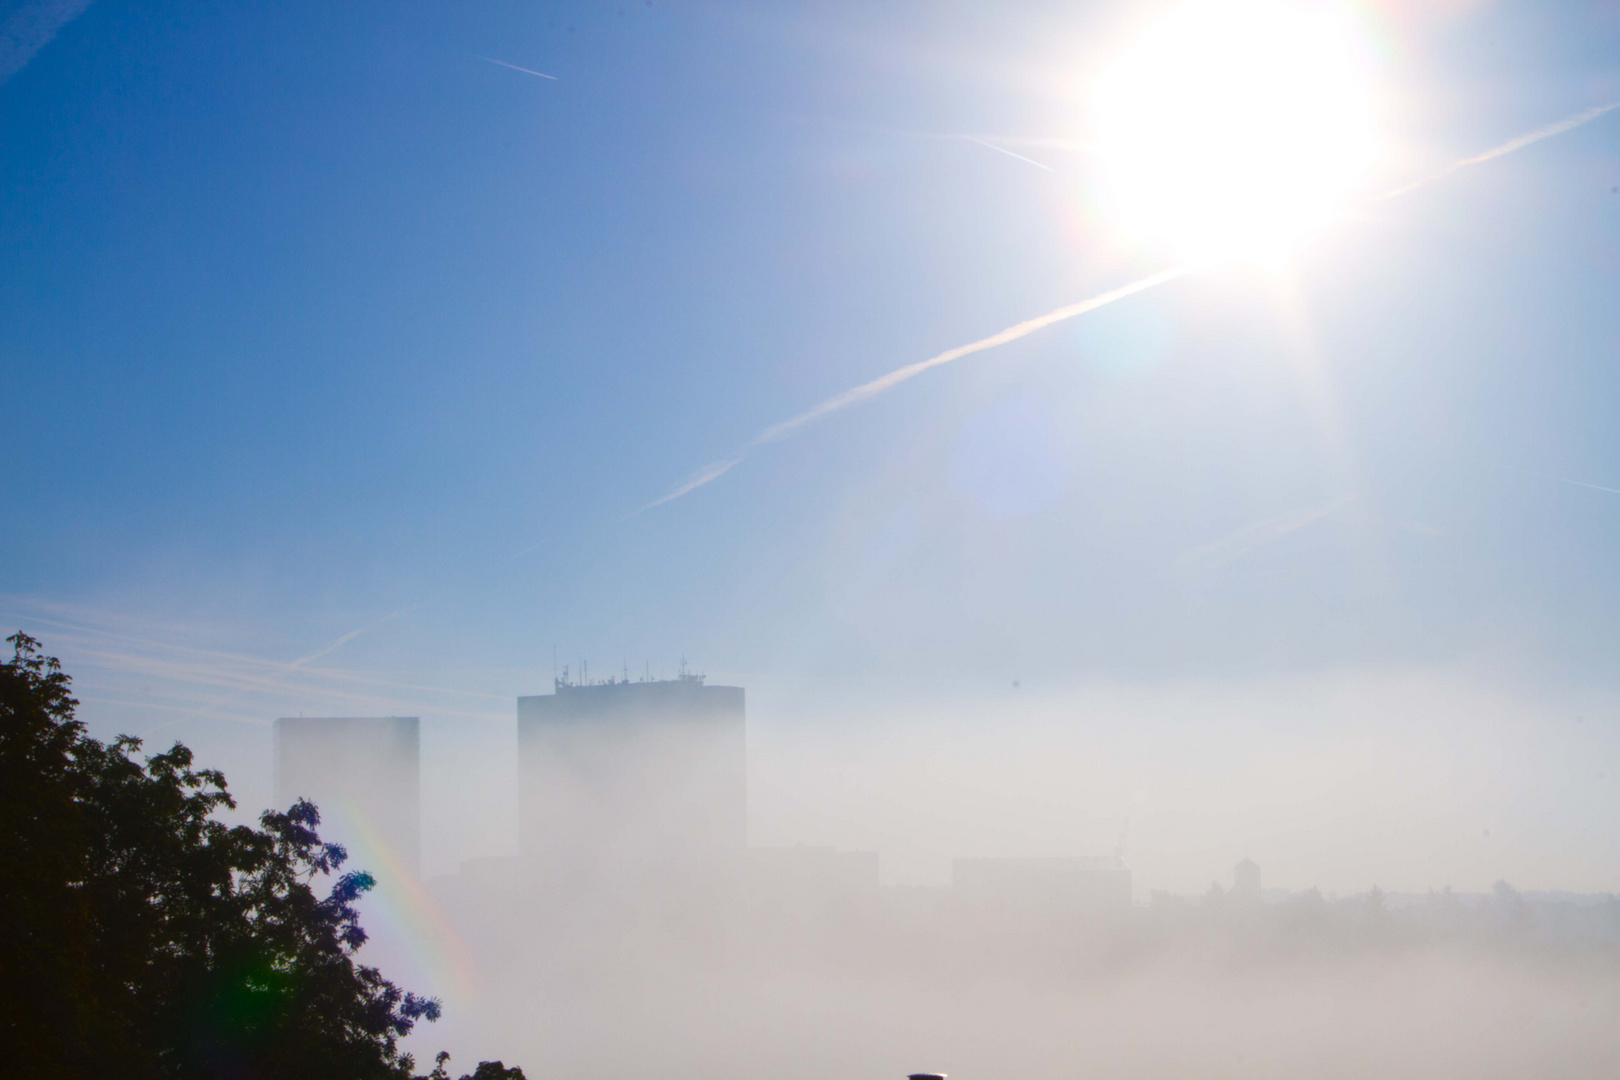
(633, 784)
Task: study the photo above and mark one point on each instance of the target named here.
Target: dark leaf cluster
(141, 937)
(487, 1070)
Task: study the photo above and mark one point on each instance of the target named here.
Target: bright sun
(1232, 128)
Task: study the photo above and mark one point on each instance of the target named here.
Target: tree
(487, 1070)
(47, 997)
(142, 937)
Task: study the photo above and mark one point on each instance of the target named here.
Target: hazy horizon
(1181, 429)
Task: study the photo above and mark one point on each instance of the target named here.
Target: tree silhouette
(141, 937)
(487, 1070)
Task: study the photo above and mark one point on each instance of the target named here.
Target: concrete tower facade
(364, 773)
(633, 784)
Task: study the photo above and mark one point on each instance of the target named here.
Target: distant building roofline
(563, 685)
(342, 719)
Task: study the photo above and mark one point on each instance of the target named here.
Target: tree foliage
(141, 937)
(487, 1070)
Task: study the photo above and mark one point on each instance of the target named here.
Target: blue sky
(311, 319)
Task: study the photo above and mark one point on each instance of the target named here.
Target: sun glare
(1233, 128)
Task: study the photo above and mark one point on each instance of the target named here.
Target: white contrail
(1563, 480)
(1518, 143)
(187, 683)
(1259, 534)
(868, 390)
(339, 642)
(711, 471)
(1003, 150)
(30, 28)
(1073, 146)
(1263, 532)
(291, 667)
(910, 371)
(514, 67)
(1012, 333)
(1584, 484)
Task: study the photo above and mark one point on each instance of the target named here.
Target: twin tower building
(618, 782)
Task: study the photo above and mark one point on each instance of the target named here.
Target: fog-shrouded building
(639, 784)
(364, 774)
(805, 879)
(1093, 884)
(1246, 880)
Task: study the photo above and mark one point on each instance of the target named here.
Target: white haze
(1429, 786)
(1407, 779)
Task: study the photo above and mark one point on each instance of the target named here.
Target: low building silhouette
(1089, 884)
(805, 879)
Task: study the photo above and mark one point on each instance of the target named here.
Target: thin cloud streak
(883, 383)
(30, 28)
(1261, 533)
(1003, 150)
(339, 642)
(514, 67)
(711, 471)
(209, 684)
(1236, 544)
(1564, 480)
(1073, 146)
(1580, 119)
(243, 673)
(1584, 484)
(998, 140)
(280, 672)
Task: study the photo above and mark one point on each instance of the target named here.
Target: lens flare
(1233, 128)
